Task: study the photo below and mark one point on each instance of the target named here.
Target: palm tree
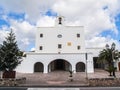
(108, 56)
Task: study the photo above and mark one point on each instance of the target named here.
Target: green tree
(10, 54)
(108, 56)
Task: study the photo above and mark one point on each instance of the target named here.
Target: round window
(59, 36)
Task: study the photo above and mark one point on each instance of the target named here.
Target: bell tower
(59, 21)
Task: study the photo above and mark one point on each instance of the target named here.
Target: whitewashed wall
(27, 65)
(50, 41)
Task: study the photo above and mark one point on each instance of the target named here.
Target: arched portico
(59, 64)
(38, 67)
(80, 67)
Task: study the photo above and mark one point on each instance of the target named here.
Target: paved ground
(61, 78)
(80, 88)
(74, 88)
(102, 74)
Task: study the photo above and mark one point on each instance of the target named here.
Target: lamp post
(86, 65)
(107, 46)
(113, 50)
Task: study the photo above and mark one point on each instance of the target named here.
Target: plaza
(61, 78)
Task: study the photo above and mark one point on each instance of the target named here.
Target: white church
(60, 48)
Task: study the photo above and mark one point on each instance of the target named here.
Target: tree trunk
(110, 73)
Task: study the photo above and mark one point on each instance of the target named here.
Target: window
(41, 48)
(59, 46)
(78, 47)
(41, 35)
(78, 35)
(59, 36)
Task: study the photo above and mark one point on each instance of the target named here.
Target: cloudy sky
(100, 18)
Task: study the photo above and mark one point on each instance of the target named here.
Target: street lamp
(86, 56)
(113, 46)
(113, 52)
(107, 46)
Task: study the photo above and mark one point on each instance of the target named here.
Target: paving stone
(62, 78)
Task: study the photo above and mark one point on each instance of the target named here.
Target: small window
(78, 47)
(59, 46)
(78, 35)
(41, 35)
(41, 48)
(59, 36)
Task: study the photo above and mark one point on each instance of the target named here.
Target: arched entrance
(38, 67)
(80, 67)
(59, 64)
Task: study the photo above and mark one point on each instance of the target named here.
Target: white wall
(50, 51)
(94, 51)
(27, 65)
(117, 64)
(50, 41)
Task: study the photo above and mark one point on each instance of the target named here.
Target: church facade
(60, 48)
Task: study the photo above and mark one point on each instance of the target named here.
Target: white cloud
(95, 40)
(96, 17)
(32, 8)
(46, 21)
(99, 41)
(32, 49)
(3, 34)
(88, 13)
(25, 33)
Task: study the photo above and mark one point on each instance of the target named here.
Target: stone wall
(12, 82)
(104, 82)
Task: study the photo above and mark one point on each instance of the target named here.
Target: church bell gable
(59, 21)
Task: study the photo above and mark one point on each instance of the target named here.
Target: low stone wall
(104, 82)
(12, 82)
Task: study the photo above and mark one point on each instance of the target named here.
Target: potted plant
(71, 75)
(10, 56)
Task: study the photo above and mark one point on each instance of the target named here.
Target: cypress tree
(10, 54)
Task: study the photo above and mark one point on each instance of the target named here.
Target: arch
(38, 67)
(59, 64)
(80, 67)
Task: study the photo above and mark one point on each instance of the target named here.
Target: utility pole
(86, 57)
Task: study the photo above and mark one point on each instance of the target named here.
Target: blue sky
(101, 20)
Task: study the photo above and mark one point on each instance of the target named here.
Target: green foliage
(109, 56)
(110, 69)
(105, 56)
(10, 54)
